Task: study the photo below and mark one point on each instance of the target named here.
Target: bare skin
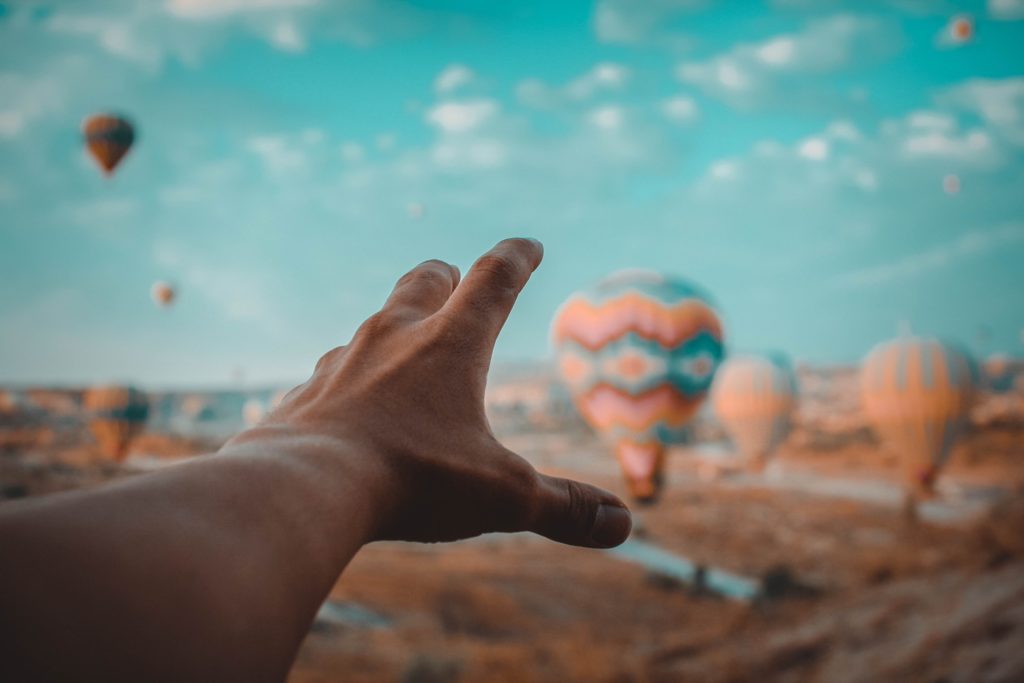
(214, 570)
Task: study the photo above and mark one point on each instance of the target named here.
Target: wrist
(333, 475)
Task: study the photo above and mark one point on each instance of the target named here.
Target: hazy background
(787, 155)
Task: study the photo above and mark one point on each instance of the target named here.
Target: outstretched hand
(214, 569)
(406, 399)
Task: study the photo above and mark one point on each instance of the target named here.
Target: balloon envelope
(108, 137)
(163, 294)
(754, 397)
(638, 352)
(116, 416)
(916, 395)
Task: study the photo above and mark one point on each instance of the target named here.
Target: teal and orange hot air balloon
(754, 398)
(916, 394)
(638, 352)
(117, 414)
(108, 138)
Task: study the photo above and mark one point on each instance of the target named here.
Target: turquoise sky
(788, 156)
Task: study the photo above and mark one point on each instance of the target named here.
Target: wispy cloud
(971, 244)
(749, 72)
(1007, 10)
(999, 102)
(453, 77)
(639, 22)
(604, 77)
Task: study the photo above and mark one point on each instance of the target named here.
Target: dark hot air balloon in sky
(108, 138)
(638, 352)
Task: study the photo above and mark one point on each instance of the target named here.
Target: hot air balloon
(163, 294)
(916, 394)
(951, 184)
(108, 137)
(754, 397)
(999, 373)
(961, 29)
(416, 210)
(638, 352)
(116, 416)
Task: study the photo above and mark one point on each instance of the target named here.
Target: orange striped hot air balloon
(916, 394)
(638, 352)
(108, 137)
(754, 398)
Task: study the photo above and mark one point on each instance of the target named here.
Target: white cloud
(634, 22)
(999, 102)
(117, 35)
(352, 152)
(605, 75)
(973, 243)
(972, 145)
(749, 70)
(386, 141)
(778, 52)
(843, 130)
(602, 77)
(280, 153)
(609, 117)
(469, 153)
(814, 148)
(680, 109)
(725, 169)
(286, 36)
(462, 116)
(1006, 9)
(217, 9)
(453, 77)
(931, 121)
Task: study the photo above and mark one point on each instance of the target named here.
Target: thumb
(580, 514)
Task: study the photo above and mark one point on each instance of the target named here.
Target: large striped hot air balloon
(116, 416)
(916, 394)
(754, 398)
(638, 352)
(108, 137)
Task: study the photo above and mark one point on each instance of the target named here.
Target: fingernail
(612, 524)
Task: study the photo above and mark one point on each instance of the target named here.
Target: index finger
(486, 295)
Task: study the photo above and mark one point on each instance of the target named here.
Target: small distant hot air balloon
(638, 352)
(951, 184)
(116, 416)
(961, 29)
(754, 397)
(416, 211)
(108, 137)
(916, 395)
(163, 294)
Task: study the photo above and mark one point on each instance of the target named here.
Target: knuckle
(378, 324)
(502, 272)
(329, 357)
(580, 506)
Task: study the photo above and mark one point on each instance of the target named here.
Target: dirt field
(851, 589)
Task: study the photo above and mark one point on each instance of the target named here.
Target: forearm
(205, 567)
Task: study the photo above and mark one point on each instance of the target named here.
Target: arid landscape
(848, 587)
